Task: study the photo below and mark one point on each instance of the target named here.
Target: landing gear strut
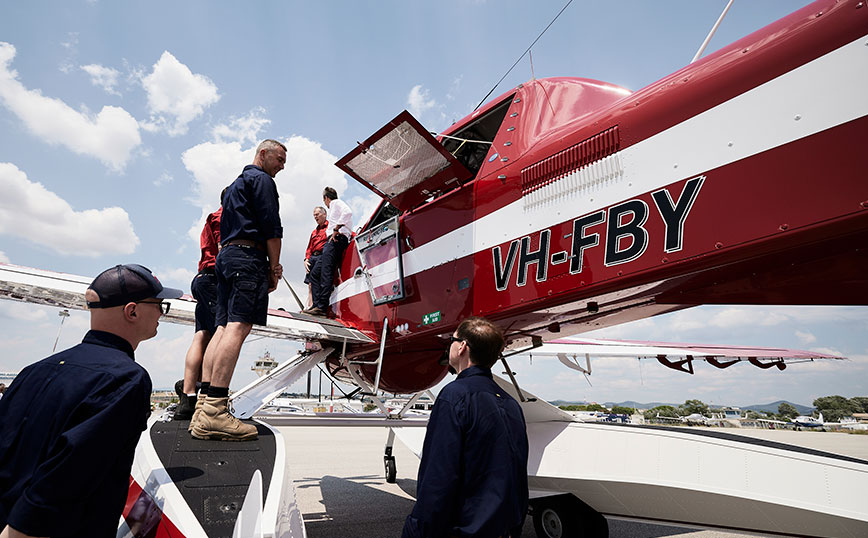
(563, 516)
(389, 459)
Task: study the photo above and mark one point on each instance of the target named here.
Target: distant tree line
(618, 409)
(834, 408)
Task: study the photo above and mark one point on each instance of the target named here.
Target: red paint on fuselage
(751, 221)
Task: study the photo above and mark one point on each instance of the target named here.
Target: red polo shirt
(210, 239)
(317, 240)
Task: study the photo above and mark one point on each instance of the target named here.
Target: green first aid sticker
(433, 317)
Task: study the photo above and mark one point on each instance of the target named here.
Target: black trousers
(322, 275)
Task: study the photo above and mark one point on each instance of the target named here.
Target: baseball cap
(128, 283)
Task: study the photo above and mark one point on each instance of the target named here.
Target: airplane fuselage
(738, 179)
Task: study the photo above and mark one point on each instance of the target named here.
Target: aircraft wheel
(391, 469)
(565, 516)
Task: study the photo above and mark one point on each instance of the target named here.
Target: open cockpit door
(380, 254)
(404, 164)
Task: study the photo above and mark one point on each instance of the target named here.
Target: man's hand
(307, 265)
(274, 276)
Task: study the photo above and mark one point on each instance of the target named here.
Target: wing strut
(525, 345)
(574, 364)
(765, 365)
(720, 364)
(678, 365)
(380, 358)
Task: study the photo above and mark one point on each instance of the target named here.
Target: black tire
(565, 516)
(391, 469)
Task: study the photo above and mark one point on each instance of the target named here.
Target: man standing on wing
(315, 246)
(248, 269)
(339, 233)
(204, 290)
(473, 474)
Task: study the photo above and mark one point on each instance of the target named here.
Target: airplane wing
(677, 356)
(63, 290)
(772, 421)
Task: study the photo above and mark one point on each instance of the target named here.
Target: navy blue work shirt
(251, 209)
(69, 425)
(473, 475)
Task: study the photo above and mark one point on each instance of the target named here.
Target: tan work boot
(198, 409)
(215, 422)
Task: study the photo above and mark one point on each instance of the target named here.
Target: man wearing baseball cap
(69, 424)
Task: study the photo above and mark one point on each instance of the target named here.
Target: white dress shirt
(340, 213)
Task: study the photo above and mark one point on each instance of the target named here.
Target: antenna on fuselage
(522, 54)
(711, 33)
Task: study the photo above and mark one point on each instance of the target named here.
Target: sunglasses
(164, 307)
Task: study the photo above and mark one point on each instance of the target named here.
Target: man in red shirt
(315, 245)
(204, 290)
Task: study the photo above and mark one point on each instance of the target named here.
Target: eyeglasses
(164, 307)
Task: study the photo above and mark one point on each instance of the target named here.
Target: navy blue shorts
(204, 288)
(242, 285)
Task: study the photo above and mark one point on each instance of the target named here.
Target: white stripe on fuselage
(816, 96)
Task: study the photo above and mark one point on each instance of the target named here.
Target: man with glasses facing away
(69, 424)
(473, 474)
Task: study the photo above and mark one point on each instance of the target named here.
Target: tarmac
(341, 489)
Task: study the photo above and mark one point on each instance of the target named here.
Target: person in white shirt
(339, 233)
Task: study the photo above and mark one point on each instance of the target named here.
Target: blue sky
(121, 122)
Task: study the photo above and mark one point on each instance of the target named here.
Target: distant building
(264, 365)
(162, 398)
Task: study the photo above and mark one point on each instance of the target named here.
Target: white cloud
(309, 168)
(72, 42)
(742, 317)
(164, 178)
(30, 211)
(214, 165)
(176, 277)
(110, 136)
(22, 312)
(363, 208)
(805, 338)
(103, 77)
(454, 87)
(176, 96)
(419, 100)
(242, 129)
(3, 257)
(67, 65)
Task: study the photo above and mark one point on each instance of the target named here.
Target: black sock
(203, 387)
(218, 392)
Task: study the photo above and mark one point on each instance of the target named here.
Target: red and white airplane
(566, 205)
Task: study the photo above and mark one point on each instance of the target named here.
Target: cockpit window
(470, 144)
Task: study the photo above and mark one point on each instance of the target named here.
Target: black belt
(249, 243)
(315, 253)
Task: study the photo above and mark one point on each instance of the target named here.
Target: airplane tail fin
(249, 522)
(821, 418)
